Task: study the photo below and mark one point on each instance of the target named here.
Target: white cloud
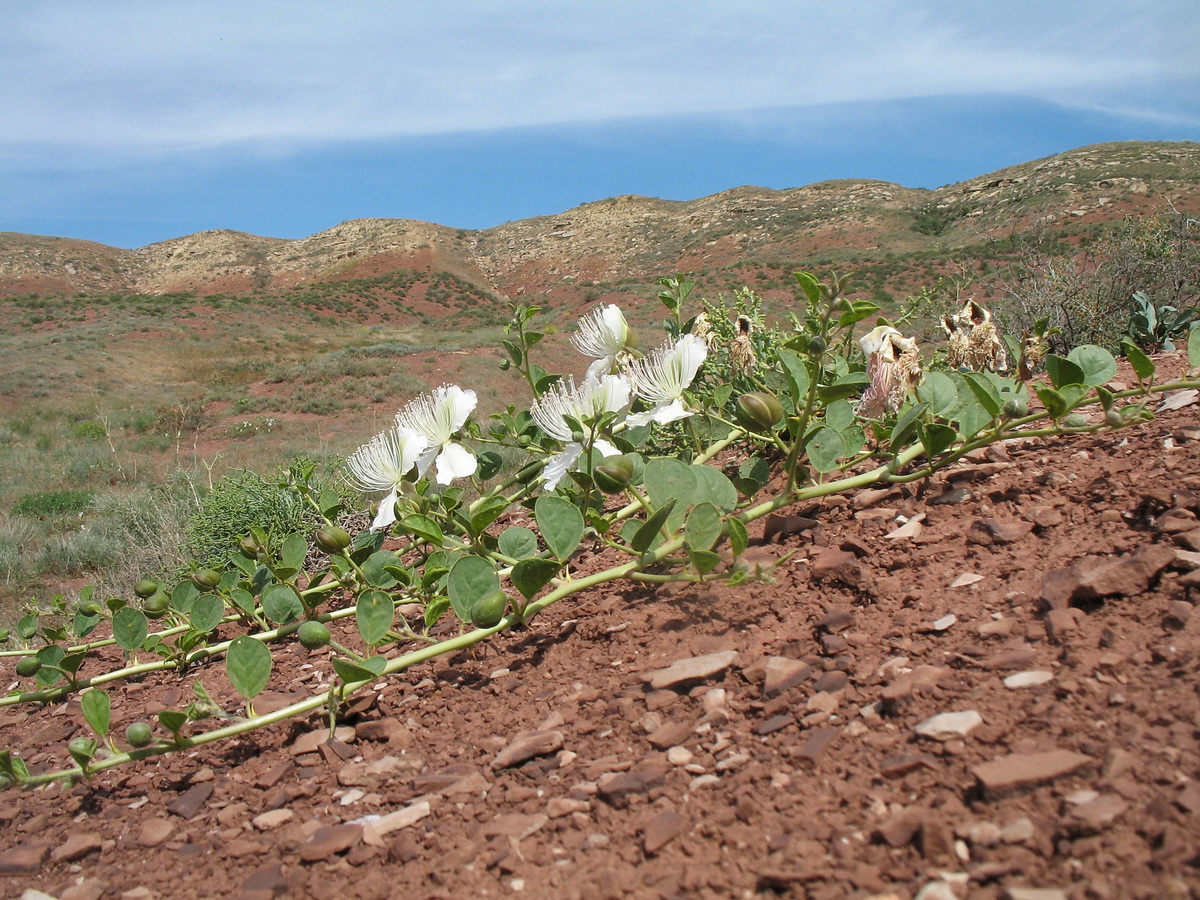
(146, 77)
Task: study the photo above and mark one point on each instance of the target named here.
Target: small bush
(53, 503)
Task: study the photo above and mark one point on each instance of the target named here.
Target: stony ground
(983, 688)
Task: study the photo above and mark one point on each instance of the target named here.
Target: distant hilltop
(633, 238)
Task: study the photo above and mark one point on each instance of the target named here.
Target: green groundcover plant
(661, 455)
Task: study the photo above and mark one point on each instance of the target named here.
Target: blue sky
(130, 122)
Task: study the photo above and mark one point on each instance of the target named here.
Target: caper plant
(468, 548)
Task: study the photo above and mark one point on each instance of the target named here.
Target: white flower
(382, 465)
(438, 417)
(661, 378)
(585, 404)
(603, 334)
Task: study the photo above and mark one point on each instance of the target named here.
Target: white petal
(460, 403)
(637, 420)
(425, 460)
(387, 512)
(672, 412)
(559, 464)
(604, 448)
(455, 461)
(600, 368)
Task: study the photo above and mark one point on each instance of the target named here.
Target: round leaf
(703, 526)
(130, 628)
(825, 448)
(248, 665)
(281, 604)
(375, 614)
(207, 611)
(518, 542)
(471, 578)
(561, 524)
(96, 707)
(1097, 364)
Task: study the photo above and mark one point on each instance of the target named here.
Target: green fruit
(28, 666)
(139, 734)
(312, 635)
(155, 606)
(612, 478)
(249, 547)
(1114, 419)
(1015, 407)
(1076, 420)
(332, 539)
(816, 345)
(4, 633)
(91, 608)
(206, 578)
(145, 587)
(488, 611)
(759, 409)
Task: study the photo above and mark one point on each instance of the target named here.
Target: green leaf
(1193, 348)
(375, 568)
(83, 624)
(50, 655)
(796, 372)
(905, 425)
(488, 512)
(471, 579)
(1142, 365)
(848, 385)
(650, 531)
(704, 561)
(970, 413)
(295, 550)
(130, 628)
(434, 609)
(1055, 405)
(739, 538)
(810, 284)
(96, 707)
(375, 614)
(330, 503)
(839, 415)
(424, 528)
(702, 529)
(531, 575)
(985, 392)
(173, 720)
(824, 448)
(351, 673)
(939, 392)
(183, 595)
(248, 665)
(1063, 371)
(490, 464)
(561, 525)
(936, 438)
(859, 310)
(206, 613)
(281, 604)
(27, 627)
(518, 542)
(712, 485)
(1096, 363)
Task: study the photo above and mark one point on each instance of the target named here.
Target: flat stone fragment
(156, 832)
(385, 768)
(329, 841)
(818, 742)
(24, 859)
(949, 725)
(1018, 770)
(1094, 577)
(695, 668)
(1030, 893)
(669, 734)
(1030, 678)
(272, 819)
(661, 830)
(782, 673)
(189, 802)
(77, 846)
(527, 746)
(401, 818)
(1098, 813)
(966, 579)
(516, 825)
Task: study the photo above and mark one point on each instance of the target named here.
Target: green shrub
(53, 503)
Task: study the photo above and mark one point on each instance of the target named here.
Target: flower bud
(332, 538)
(145, 587)
(206, 578)
(28, 666)
(613, 473)
(139, 734)
(816, 345)
(155, 606)
(488, 611)
(759, 409)
(1015, 407)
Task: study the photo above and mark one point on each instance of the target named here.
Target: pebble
(385, 768)
(156, 832)
(937, 890)
(1031, 893)
(1095, 577)
(669, 734)
(189, 802)
(944, 622)
(782, 673)
(1097, 813)
(680, 756)
(950, 725)
(966, 579)
(1017, 770)
(696, 668)
(661, 830)
(1030, 678)
(526, 746)
(401, 818)
(329, 841)
(24, 859)
(77, 846)
(271, 820)
(558, 807)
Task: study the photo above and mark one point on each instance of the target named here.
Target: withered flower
(974, 341)
(894, 370)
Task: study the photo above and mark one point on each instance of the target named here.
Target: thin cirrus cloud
(142, 79)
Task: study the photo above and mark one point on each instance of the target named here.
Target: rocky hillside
(634, 239)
